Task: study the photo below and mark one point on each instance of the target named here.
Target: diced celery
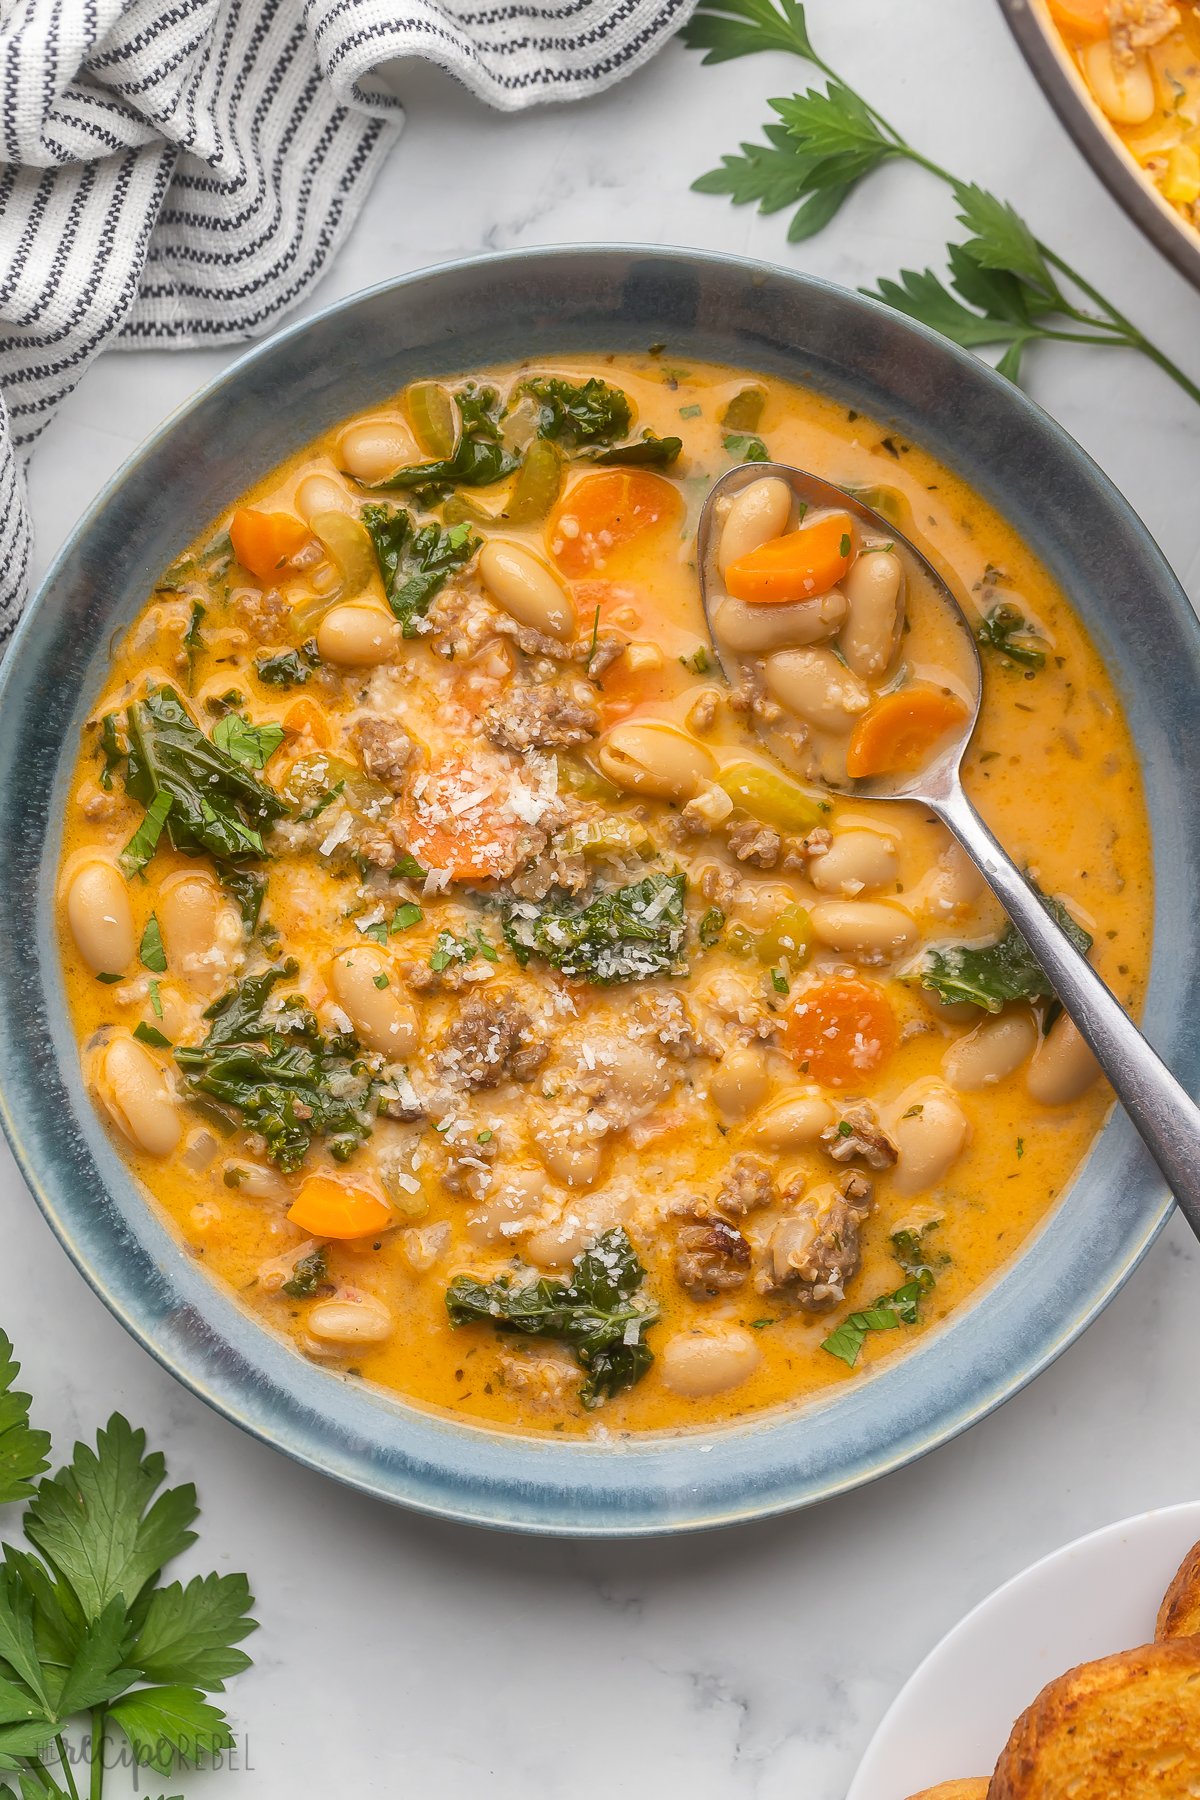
(349, 546)
(580, 779)
(744, 410)
(606, 837)
(770, 797)
(537, 484)
(788, 940)
(434, 418)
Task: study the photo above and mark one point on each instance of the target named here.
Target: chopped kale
(591, 413)
(251, 745)
(110, 750)
(205, 798)
(291, 668)
(1005, 630)
(648, 451)
(479, 457)
(711, 927)
(150, 952)
(268, 1068)
(628, 934)
(595, 1313)
(992, 976)
(415, 562)
(308, 1274)
(908, 1248)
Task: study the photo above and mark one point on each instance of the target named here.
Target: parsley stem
(61, 1746)
(37, 1767)
(96, 1785)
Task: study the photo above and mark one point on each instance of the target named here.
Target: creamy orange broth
(1141, 62)
(1052, 768)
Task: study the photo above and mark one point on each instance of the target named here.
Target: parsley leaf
(23, 1450)
(744, 448)
(187, 1634)
(597, 1313)
(165, 1723)
(627, 934)
(889, 1311)
(415, 563)
(1005, 630)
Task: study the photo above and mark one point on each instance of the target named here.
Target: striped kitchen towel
(178, 172)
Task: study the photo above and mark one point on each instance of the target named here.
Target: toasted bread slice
(955, 1790)
(1179, 1614)
(1126, 1726)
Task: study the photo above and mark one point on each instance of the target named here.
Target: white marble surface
(399, 1656)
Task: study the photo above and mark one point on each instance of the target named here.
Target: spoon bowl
(1164, 1114)
(941, 772)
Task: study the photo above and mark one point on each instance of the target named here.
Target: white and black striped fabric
(177, 172)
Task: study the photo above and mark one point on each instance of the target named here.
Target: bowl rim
(351, 1460)
(1098, 143)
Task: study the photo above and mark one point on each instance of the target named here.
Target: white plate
(1098, 1595)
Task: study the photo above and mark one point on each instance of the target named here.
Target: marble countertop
(398, 1655)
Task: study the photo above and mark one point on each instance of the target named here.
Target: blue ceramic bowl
(271, 403)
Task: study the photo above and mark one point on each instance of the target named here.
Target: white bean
(638, 1075)
(760, 904)
(322, 493)
(364, 1320)
(571, 1154)
(1126, 94)
(748, 628)
(817, 688)
(929, 1129)
(514, 1197)
(357, 636)
(101, 918)
(857, 862)
(793, 1121)
(954, 887)
(655, 759)
(697, 1364)
(376, 449)
(526, 589)
(557, 1246)
(1063, 1068)
(383, 1019)
(756, 515)
(869, 931)
(134, 1090)
(739, 1082)
(871, 635)
(203, 934)
(992, 1052)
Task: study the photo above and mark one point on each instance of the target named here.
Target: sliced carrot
(797, 566)
(305, 717)
(840, 1032)
(1086, 19)
(263, 542)
(901, 729)
(456, 824)
(327, 1208)
(601, 515)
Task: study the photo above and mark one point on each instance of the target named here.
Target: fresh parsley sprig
(1006, 289)
(88, 1632)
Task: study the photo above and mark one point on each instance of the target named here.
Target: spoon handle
(1168, 1120)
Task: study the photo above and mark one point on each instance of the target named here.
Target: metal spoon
(1168, 1120)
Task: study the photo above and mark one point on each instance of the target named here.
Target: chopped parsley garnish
(595, 1313)
(156, 1005)
(308, 1274)
(415, 562)
(779, 981)
(450, 949)
(150, 1034)
(744, 447)
(270, 1069)
(998, 973)
(698, 662)
(889, 1311)
(408, 869)
(628, 934)
(711, 926)
(1005, 630)
(406, 916)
